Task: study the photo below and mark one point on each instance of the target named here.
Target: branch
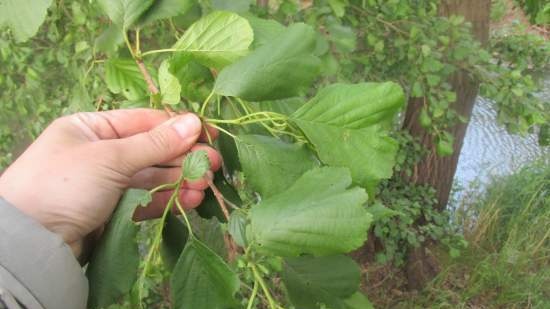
(148, 79)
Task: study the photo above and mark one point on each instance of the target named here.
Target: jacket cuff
(36, 266)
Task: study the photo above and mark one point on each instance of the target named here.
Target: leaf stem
(253, 295)
(156, 242)
(180, 208)
(163, 187)
(205, 103)
(258, 277)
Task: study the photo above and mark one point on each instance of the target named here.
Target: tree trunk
(262, 3)
(433, 170)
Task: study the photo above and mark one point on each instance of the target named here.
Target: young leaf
(271, 165)
(217, 39)
(280, 69)
(317, 215)
(195, 165)
(123, 76)
(23, 17)
(169, 84)
(322, 280)
(124, 13)
(174, 238)
(201, 279)
(113, 266)
(342, 122)
(162, 9)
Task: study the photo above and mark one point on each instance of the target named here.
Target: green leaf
(444, 146)
(380, 212)
(338, 6)
(282, 68)
(162, 9)
(195, 165)
(342, 123)
(237, 227)
(195, 80)
(217, 39)
(113, 267)
(265, 30)
(322, 280)
(317, 215)
(358, 301)
(201, 279)
(174, 238)
(109, 40)
(23, 17)
(123, 76)
(271, 165)
(124, 13)
(237, 6)
(169, 84)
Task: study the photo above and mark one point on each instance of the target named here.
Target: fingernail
(188, 125)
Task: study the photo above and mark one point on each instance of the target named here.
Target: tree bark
(433, 170)
(262, 3)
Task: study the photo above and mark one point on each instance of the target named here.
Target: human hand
(71, 178)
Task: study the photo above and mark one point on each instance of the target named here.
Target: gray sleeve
(37, 268)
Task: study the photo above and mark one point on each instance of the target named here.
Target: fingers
(213, 156)
(188, 199)
(165, 142)
(117, 123)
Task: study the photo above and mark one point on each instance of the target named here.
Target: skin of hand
(71, 178)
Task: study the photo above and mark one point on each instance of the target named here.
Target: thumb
(163, 143)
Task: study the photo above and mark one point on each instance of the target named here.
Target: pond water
(489, 150)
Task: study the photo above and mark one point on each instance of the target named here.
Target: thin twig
(219, 198)
(148, 79)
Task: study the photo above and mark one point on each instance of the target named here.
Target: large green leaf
(282, 68)
(317, 215)
(201, 279)
(124, 13)
(328, 280)
(113, 266)
(217, 39)
(345, 124)
(23, 17)
(353, 106)
(162, 9)
(265, 30)
(123, 76)
(271, 165)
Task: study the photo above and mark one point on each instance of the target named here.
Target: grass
(507, 263)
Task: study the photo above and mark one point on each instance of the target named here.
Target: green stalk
(258, 277)
(253, 295)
